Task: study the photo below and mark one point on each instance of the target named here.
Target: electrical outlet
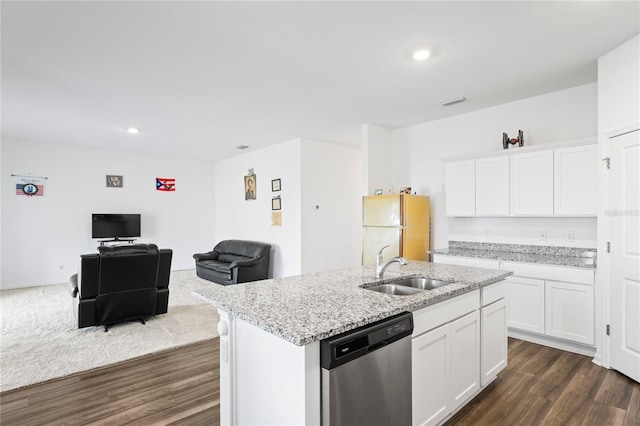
(543, 235)
(569, 235)
(486, 233)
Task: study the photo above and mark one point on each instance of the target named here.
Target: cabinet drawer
(433, 316)
(555, 273)
(493, 292)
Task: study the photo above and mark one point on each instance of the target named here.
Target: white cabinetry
(549, 305)
(445, 358)
(492, 186)
(569, 311)
(493, 326)
(460, 181)
(526, 304)
(552, 300)
(532, 183)
(575, 180)
(546, 180)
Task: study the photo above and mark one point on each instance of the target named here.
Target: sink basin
(421, 283)
(396, 290)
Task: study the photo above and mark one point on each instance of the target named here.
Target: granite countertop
(305, 308)
(545, 255)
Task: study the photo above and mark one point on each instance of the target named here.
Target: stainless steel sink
(421, 283)
(396, 290)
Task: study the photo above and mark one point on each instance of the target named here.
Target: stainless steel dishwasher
(366, 374)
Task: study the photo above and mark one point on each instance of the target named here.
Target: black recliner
(234, 261)
(121, 283)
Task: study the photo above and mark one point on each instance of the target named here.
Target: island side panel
(268, 380)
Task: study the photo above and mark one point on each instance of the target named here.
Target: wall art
(114, 181)
(166, 184)
(250, 183)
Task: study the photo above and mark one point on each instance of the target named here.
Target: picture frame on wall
(275, 185)
(250, 192)
(276, 204)
(114, 181)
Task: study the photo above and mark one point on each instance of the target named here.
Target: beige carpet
(40, 341)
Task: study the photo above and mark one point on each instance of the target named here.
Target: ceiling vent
(242, 146)
(453, 101)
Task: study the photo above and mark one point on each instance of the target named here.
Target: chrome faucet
(380, 268)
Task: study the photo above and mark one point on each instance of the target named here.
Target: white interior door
(624, 237)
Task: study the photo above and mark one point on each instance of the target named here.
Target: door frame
(602, 288)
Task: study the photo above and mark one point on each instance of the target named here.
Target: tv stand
(116, 239)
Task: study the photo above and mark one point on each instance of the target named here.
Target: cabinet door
(532, 183)
(493, 323)
(526, 304)
(465, 358)
(492, 186)
(570, 311)
(430, 366)
(460, 188)
(575, 180)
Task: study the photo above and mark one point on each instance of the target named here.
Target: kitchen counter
(544, 255)
(306, 308)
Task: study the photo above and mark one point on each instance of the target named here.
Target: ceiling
(199, 78)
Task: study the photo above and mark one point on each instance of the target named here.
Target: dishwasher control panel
(344, 347)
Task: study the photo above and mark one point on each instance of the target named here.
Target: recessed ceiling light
(133, 130)
(421, 54)
(242, 146)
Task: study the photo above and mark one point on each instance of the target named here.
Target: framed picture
(114, 181)
(275, 185)
(275, 203)
(250, 187)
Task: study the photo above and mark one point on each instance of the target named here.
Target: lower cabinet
(493, 319)
(558, 302)
(552, 302)
(526, 304)
(446, 368)
(569, 311)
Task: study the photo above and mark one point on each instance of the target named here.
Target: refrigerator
(401, 221)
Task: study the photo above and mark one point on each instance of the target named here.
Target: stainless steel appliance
(366, 374)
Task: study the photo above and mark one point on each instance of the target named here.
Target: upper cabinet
(492, 186)
(575, 179)
(557, 180)
(532, 183)
(460, 181)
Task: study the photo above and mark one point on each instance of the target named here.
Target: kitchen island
(270, 331)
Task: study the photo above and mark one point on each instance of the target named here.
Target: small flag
(166, 184)
(31, 187)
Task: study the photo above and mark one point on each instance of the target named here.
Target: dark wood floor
(175, 387)
(540, 386)
(546, 386)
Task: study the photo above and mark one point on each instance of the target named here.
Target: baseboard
(552, 342)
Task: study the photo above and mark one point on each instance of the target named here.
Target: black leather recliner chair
(121, 283)
(234, 261)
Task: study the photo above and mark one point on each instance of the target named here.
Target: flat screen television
(108, 225)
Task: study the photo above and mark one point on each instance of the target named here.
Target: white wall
(312, 173)
(331, 206)
(376, 155)
(237, 218)
(619, 87)
(553, 117)
(43, 237)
